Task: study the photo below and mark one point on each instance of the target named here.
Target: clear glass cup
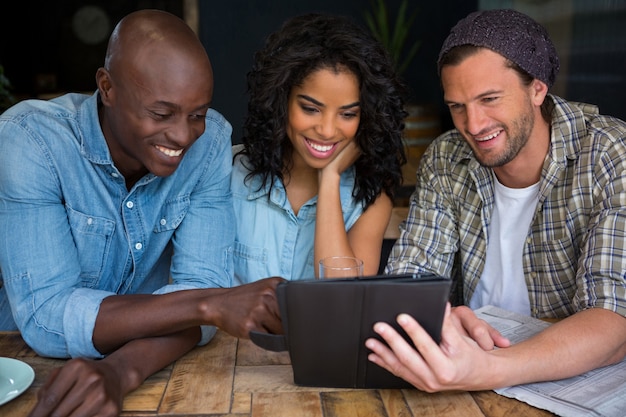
(340, 267)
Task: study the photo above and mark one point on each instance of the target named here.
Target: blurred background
(51, 47)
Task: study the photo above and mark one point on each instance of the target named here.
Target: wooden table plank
(250, 354)
(449, 404)
(202, 380)
(495, 405)
(242, 403)
(395, 403)
(286, 404)
(359, 403)
(265, 379)
(235, 378)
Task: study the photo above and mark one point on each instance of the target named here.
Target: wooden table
(231, 377)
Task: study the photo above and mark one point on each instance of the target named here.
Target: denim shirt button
(114, 174)
(130, 204)
(163, 222)
(138, 246)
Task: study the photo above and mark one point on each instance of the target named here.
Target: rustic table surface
(233, 377)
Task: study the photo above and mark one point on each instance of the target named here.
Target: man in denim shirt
(110, 206)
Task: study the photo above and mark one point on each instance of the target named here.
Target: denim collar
(92, 142)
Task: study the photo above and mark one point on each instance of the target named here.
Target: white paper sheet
(601, 392)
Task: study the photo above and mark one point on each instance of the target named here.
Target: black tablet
(326, 323)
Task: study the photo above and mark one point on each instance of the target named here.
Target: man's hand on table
(82, 387)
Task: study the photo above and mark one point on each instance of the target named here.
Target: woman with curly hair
(321, 152)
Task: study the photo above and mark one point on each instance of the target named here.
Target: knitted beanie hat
(513, 35)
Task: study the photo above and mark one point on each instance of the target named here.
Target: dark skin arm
(98, 387)
(133, 329)
(235, 310)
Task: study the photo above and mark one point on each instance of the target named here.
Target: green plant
(6, 98)
(393, 37)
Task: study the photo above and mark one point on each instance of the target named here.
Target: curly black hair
(303, 45)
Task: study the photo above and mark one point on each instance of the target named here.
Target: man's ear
(539, 91)
(105, 87)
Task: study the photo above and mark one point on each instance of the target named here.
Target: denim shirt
(72, 234)
(271, 239)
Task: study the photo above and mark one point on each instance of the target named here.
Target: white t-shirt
(502, 283)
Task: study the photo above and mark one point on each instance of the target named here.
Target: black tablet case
(326, 323)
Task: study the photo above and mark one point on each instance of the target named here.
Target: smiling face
(323, 116)
(492, 108)
(154, 121)
(155, 95)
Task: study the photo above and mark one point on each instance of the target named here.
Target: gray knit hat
(513, 35)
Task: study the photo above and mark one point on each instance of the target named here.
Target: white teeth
(487, 137)
(320, 148)
(169, 152)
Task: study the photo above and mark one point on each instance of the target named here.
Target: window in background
(590, 37)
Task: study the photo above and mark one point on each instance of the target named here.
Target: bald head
(156, 87)
(146, 36)
(156, 54)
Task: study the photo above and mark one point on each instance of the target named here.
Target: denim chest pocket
(250, 262)
(172, 214)
(92, 237)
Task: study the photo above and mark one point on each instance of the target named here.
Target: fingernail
(378, 328)
(403, 319)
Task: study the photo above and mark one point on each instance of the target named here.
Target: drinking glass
(340, 267)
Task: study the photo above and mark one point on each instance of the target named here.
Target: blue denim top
(72, 234)
(271, 239)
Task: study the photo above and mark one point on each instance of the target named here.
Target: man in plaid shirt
(523, 205)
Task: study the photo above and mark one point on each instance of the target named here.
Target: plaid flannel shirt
(574, 257)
